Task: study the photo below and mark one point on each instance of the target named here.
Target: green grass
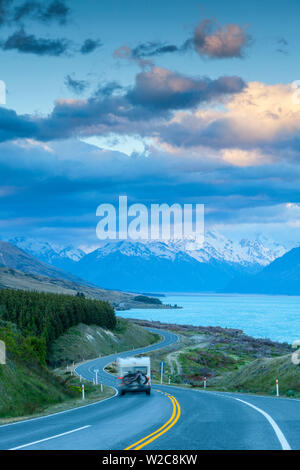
(28, 388)
(260, 375)
(84, 342)
(30, 394)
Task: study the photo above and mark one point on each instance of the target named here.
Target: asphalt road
(171, 418)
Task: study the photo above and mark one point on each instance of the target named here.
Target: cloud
(90, 45)
(56, 10)
(76, 86)
(257, 125)
(41, 11)
(244, 158)
(72, 178)
(282, 42)
(209, 40)
(4, 10)
(152, 49)
(216, 42)
(13, 126)
(160, 88)
(136, 110)
(30, 44)
(260, 116)
(108, 89)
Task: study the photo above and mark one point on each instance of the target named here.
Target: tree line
(48, 316)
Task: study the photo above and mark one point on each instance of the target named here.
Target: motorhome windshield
(134, 370)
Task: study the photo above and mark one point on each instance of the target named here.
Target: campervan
(134, 375)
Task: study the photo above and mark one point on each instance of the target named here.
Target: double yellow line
(162, 430)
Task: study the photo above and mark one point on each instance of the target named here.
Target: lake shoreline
(259, 316)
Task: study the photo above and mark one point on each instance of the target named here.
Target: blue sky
(182, 101)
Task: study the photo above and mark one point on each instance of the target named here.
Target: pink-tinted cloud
(218, 42)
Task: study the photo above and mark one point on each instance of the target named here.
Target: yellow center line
(163, 429)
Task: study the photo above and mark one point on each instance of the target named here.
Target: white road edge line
(60, 412)
(281, 437)
(52, 437)
(84, 406)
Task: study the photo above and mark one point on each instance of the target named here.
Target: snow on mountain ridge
(216, 247)
(45, 250)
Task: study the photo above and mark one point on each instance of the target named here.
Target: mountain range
(166, 266)
(281, 277)
(21, 270)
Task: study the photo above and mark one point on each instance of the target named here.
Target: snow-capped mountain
(51, 253)
(258, 252)
(175, 265)
(261, 251)
(16, 258)
(167, 265)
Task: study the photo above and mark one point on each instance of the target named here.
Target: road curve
(202, 420)
(87, 370)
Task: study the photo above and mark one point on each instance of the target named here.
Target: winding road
(171, 418)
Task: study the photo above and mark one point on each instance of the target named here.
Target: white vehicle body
(134, 374)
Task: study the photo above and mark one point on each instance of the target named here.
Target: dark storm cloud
(90, 45)
(76, 86)
(30, 44)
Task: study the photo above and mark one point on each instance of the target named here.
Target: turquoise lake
(261, 316)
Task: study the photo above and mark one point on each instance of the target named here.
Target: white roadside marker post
(277, 388)
(101, 385)
(161, 371)
(169, 380)
(82, 387)
(204, 382)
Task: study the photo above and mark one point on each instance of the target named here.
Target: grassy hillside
(259, 377)
(83, 342)
(229, 359)
(26, 385)
(25, 390)
(15, 279)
